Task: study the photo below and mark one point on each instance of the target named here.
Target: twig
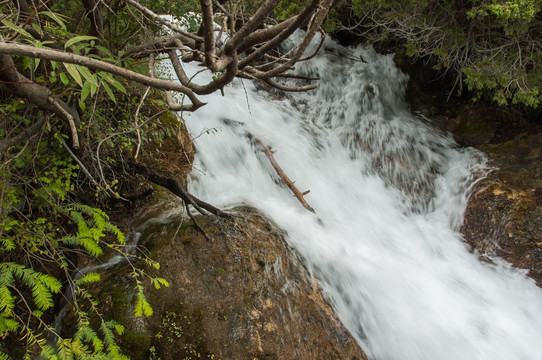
(176, 188)
(83, 168)
(71, 122)
(195, 222)
(298, 194)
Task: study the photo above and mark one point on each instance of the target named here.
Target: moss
(186, 240)
(474, 131)
(169, 119)
(136, 345)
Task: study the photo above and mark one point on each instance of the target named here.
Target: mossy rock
(237, 293)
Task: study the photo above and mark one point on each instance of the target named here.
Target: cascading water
(388, 193)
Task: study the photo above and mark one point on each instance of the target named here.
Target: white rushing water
(388, 193)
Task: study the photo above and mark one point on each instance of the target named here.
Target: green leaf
(4, 356)
(37, 28)
(72, 70)
(76, 39)
(109, 78)
(88, 278)
(105, 51)
(56, 18)
(7, 302)
(158, 282)
(7, 325)
(109, 92)
(85, 90)
(7, 244)
(83, 70)
(142, 306)
(17, 29)
(119, 329)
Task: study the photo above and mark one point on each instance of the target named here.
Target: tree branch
(208, 33)
(176, 188)
(25, 134)
(50, 54)
(163, 21)
(159, 45)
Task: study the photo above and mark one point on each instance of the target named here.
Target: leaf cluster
(46, 221)
(492, 47)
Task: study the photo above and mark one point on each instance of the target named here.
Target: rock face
(241, 293)
(504, 214)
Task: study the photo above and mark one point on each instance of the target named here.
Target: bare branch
(11, 81)
(276, 85)
(256, 20)
(25, 134)
(176, 188)
(208, 33)
(300, 21)
(298, 194)
(69, 118)
(160, 45)
(163, 21)
(50, 54)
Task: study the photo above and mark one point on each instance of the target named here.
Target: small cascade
(388, 193)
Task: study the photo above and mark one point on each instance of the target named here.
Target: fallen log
(298, 194)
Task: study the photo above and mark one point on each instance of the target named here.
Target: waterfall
(388, 193)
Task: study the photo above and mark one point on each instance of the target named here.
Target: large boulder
(504, 214)
(237, 292)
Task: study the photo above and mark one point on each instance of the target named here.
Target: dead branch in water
(298, 194)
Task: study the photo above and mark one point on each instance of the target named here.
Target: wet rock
(240, 294)
(504, 214)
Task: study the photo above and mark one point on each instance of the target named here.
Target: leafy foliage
(44, 225)
(492, 46)
(78, 99)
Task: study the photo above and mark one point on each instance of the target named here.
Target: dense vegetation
(83, 118)
(493, 48)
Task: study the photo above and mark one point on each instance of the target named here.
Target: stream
(388, 192)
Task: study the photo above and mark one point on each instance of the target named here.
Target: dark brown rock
(242, 294)
(504, 214)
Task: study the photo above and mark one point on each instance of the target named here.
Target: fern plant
(37, 263)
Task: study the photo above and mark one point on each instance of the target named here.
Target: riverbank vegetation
(83, 117)
(491, 49)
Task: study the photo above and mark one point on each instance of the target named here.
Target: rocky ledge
(240, 292)
(504, 214)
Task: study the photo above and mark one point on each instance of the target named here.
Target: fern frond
(50, 281)
(7, 244)
(6, 275)
(7, 325)
(7, 302)
(91, 245)
(63, 350)
(86, 241)
(109, 337)
(88, 278)
(80, 350)
(142, 306)
(42, 285)
(97, 344)
(4, 356)
(158, 282)
(42, 296)
(118, 233)
(47, 352)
